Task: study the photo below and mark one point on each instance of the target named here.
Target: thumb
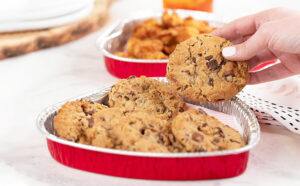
(248, 49)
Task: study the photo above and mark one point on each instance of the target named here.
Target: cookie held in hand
(199, 72)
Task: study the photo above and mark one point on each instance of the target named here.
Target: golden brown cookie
(202, 133)
(99, 132)
(74, 117)
(140, 131)
(148, 94)
(199, 72)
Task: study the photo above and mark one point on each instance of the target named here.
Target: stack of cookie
(145, 115)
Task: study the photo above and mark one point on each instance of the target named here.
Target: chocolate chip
(164, 109)
(170, 114)
(212, 64)
(142, 130)
(209, 57)
(131, 123)
(224, 61)
(210, 82)
(91, 122)
(173, 79)
(216, 140)
(228, 73)
(219, 132)
(201, 150)
(200, 55)
(126, 111)
(187, 71)
(199, 128)
(204, 125)
(202, 111)
(131, 93)
(161, 138)
(126, 97)
(185, 87)
(104, 100)
(234, 141)
(194, 59)
(131, 77)
(222, 44)
(91, 112)
(220, 99)
(197, 137)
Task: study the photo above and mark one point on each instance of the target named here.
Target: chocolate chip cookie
(148, 94)
(99, 132)
(140, 131)
(199, 72)
(74, 117)
(203, 133)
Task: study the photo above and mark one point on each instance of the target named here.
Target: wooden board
(19, 43)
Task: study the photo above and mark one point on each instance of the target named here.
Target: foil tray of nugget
(140, 128)
(141, 44)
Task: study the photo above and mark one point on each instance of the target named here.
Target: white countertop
(32, 82)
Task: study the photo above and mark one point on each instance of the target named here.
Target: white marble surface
(32, 82)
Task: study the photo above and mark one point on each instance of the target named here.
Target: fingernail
(228, 51)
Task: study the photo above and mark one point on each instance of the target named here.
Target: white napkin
(18, 15)
(276, 102)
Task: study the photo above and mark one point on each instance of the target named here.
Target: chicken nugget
(168, 36)
(171, 20)
(169, 49)
(137, 46)
(185, 32)
(202, 26)
(147, 29)
(154, 55)
(124, 54)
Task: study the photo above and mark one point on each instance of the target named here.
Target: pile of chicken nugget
(154, 39)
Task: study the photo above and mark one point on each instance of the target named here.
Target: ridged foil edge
(247, 119)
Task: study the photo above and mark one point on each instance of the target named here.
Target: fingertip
(229, 51)
(239, 52)
(216, 32)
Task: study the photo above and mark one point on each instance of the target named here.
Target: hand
(266, 36)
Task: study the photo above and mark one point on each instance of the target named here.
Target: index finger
(238, 28)
(248, 25)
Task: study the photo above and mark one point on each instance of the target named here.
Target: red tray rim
(254, 130)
